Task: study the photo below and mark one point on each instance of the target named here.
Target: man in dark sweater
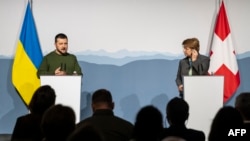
(113, 128)
(59, 61)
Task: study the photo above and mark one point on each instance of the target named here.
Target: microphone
(63, 67)
(190, 62)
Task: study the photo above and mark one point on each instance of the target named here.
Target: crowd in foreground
(48, 121)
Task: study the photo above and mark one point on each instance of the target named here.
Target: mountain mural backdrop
(133, 82)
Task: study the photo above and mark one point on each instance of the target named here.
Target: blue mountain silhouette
(133, 85)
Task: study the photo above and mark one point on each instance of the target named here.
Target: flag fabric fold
(27, 59)
(223, 59)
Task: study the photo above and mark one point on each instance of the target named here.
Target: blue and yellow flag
(27, 59)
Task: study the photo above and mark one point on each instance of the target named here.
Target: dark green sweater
(52, 61)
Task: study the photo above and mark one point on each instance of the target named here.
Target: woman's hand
(194, 55)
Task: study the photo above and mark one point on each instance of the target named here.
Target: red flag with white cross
(223, 59)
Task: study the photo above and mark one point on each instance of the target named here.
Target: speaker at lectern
(204, 94)
(68, 90)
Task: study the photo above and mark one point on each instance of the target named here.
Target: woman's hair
(192, 43)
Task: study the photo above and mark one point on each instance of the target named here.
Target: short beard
(61, 52)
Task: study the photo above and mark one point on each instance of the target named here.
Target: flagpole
(31, 4)
(220, 1)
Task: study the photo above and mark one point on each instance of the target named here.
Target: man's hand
(59, 72)
(180, 88)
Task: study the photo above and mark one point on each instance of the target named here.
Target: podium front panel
(68, 91)
(204, 95)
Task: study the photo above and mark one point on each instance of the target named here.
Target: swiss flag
(222, 56)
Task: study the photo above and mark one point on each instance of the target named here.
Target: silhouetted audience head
(242, 104)
(177, 111)
(102, 99)
(58, 122)
(27, 127)
(112, 128)
(225, 119)
(148, 124)
(86, 133)
(42, 99)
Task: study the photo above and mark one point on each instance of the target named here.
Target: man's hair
(61, 36)
(87, 132)
(148, 123)
(192, 43)
(102, 95)
(43, 98)
(58, 122)
(242, 103)
(177, 111)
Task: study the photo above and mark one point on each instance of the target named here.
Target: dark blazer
(183, 132)
(27, 128)
(199, 67)
(112, 127)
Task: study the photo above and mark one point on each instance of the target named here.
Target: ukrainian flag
(27, 59)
